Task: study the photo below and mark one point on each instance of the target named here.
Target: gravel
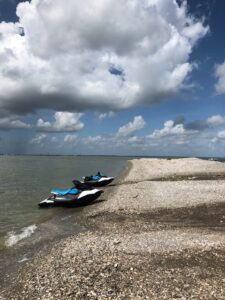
(148, 195)
(155, 168)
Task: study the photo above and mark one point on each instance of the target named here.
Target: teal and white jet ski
(71, 198)
(98, 180)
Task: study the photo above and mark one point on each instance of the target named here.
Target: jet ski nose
(99, 192)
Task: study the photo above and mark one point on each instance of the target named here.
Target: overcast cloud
(94, 54)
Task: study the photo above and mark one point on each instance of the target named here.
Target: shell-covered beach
(158, 233)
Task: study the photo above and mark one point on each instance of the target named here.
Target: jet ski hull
(101, 182)
(82, 199)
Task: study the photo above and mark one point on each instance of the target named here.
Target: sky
(131, 77)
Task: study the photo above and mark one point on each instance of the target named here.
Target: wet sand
(157, 234)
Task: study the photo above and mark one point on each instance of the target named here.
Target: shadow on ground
(210, 217)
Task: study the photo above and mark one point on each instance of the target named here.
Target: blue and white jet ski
(98, 180)
(72, 197)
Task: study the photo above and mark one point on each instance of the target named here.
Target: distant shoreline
(114, 155)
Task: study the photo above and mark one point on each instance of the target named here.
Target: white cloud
(173, 133)
(103, 116)
(120, 138)
(216, 120)
(70, 138)
(137, 124)
(220, 75)
(221, 134)
(65, 58)
(64, 122)
(38, 139)
(171, 138)
(169, 129)
(13, 123)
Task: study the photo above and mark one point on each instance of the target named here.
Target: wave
(23, 260)
(13, 237)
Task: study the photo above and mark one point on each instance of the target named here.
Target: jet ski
(72, 197)
(98, 180)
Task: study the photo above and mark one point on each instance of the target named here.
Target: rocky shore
(157, 234)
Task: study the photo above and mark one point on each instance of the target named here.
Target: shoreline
(12, 258)
(142, 240)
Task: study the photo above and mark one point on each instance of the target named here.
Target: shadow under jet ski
(70, 198)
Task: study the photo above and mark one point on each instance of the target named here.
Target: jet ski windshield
(100, 174)
(83, 186)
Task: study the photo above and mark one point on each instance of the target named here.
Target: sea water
(26, 180)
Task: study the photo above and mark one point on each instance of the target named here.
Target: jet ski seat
(65, 192)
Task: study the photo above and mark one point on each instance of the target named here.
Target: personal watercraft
(72, 197)
(98, 180)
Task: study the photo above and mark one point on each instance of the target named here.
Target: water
(26, 180)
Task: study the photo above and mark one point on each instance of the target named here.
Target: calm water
(26, 180)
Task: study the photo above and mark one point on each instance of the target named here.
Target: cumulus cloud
(173, 136)
(38, 139)
(177, 132)
(220, 75)
(137, 124)
(95, 54)
(13, 123)
(70, 138)
(119, 138)
(64, 122)
(169, 129)
(216, 120)
(171, 132)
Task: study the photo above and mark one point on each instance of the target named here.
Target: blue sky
(84, 79)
